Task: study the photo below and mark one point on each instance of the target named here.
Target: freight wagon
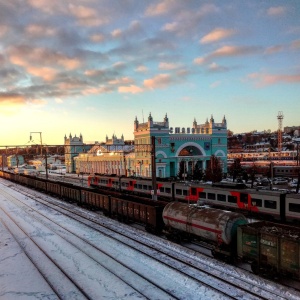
(271, 248)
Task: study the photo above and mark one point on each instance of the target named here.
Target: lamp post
(40, 133)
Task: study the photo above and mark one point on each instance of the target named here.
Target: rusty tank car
(215, 226)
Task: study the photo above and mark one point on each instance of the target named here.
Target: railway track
(193, 274)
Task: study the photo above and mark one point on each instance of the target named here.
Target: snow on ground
(100, 275)
(19, 279)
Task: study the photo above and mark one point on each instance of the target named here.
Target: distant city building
(294, 129)
(174, 148)
(73, 146)
(15, 161)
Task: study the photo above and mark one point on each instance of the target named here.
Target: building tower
(279, 138)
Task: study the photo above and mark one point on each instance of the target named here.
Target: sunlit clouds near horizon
(90, 67)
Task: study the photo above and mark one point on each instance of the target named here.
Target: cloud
(133, 89)
(215, 68)
(98, 37)
(274, 49)
(87, 16)
(123, 80)
(276, 11)
(158, 81)
(199, 60)
(116, 33)
(264, 79)
(217, 35)
(46, 73)
(142, 69)
(12, 98)
(227, 51)
(161, 8)
(215, 84)
(37, 30)
(295, 44)
(234, 51)
(168, 66)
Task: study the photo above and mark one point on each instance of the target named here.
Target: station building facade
(174, 147)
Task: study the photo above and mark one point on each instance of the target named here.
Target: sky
(91, 67)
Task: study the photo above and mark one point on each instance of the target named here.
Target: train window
(185, 192)
(140, 186)
(211, 196)
(294, 207)
(145, 187)
(178, 192)
(270, 204)
(162, 189)
(244, 198)
(135, 186)
(221, 197)
(256, 202)
(232, 199)
(168, 190)
(202, 195)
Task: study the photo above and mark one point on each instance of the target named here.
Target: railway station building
(174, 148)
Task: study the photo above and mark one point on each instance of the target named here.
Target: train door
(282, 207)
(244, 200)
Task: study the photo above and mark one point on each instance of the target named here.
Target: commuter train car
(272, 205)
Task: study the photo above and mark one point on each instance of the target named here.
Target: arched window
(190, 151)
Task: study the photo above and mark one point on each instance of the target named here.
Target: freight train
(227, 232)
(264, 204)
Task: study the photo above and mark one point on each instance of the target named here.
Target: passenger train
(270, 205)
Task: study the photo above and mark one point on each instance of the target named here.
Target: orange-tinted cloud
(132, 89)
(87, 16)
(159, 81)
(263, 79)
(276, 11)
(217, 34)
(168, 66)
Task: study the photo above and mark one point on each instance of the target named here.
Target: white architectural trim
(162, 153)
(190, 144)
(222, 153)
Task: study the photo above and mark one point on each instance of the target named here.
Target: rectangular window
(211, 196)
(178, 192)
(145, 187)
(162, 189)
(221, 197)
(294, 207)
(256, 202)
(270, 204)
(185, 192)
(168, 190)
(202, 195)
(232, 199)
